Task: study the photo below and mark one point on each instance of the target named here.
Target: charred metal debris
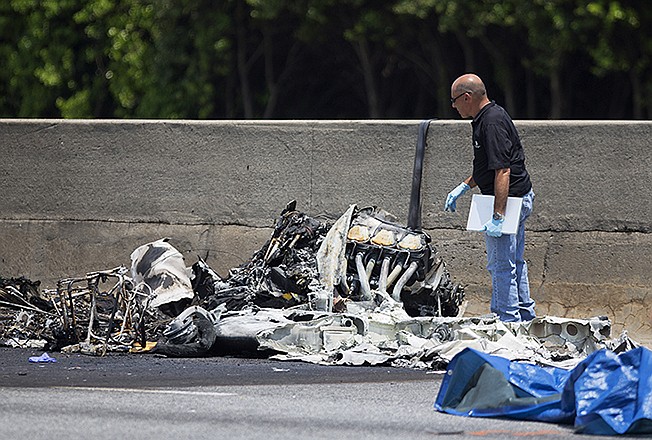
(366, 258)
(362, 290)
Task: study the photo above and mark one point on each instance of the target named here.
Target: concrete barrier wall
(79, 196)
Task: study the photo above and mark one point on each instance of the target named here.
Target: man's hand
(494, 228)
(451, 200)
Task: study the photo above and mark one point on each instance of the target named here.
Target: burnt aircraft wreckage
(365, 258)
(363, 290)
(312, 270)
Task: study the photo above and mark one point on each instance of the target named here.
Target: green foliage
(204, 59)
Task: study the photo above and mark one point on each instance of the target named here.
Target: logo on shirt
(476, 144)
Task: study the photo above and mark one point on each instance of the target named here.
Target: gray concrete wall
(79, 196)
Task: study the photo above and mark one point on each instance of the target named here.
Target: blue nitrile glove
(454, 195)
(494, 228)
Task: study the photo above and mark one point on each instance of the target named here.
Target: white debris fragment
(331, 260)
(387, 337)
(160, 267)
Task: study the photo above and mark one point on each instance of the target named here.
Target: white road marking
(138, 390)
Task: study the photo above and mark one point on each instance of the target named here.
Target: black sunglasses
(458, 97)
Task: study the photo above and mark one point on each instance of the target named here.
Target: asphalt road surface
(152, 397)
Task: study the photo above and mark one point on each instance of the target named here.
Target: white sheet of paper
(482, 209)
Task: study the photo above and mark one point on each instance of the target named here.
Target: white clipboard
(482, 210)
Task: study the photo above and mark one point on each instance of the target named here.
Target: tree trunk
(443, 78)
(373, 102)
(555, 92)
(467, 50)
(230, 94)
(503, 72)
(637, 94)
(274, 84)
(531, 96)
(243, 68)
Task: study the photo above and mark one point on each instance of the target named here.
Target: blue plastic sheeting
(605, 394)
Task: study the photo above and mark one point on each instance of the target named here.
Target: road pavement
(151, 397)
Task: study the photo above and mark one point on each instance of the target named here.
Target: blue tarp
(605, 394)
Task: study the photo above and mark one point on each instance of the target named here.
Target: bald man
(498, 170)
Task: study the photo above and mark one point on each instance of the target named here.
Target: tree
(233, 59)
(621, 43)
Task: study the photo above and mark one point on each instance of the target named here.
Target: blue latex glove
(454, 195)
(43, 359)
(494, 228)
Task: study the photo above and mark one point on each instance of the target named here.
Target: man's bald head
(469, 83)
(468, 95)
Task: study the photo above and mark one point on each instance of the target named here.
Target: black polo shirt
(496, 145)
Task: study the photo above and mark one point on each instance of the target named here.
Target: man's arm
(451, 199)
(469, 181)
(494, 226)
(501, 190)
